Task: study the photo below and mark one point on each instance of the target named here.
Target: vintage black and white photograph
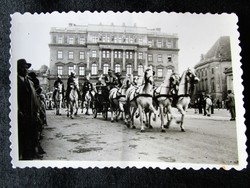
(107, 89)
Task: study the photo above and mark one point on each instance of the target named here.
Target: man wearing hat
(71, 81)
(27, 113)
(87, 86)
(110, 79)
(56, 85)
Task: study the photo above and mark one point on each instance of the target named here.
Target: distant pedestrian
(231, 104)
(208, 106)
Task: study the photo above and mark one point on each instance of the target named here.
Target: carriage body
(101, 102)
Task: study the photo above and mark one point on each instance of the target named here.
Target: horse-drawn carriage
(101, 102)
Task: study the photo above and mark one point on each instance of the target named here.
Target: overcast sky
(197, 32)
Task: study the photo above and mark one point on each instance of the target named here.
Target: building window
(94, 69)
(126, 39)
(106, 54)
(70, 69)
(131, 40)
(169, 44)
(116, 54)
(94, 53)
(160, 72)
(105, 68)
(140, 41)
(115, 39)
(81, 71)
(140, 70)
(120, 40)
(60, 40)
(71, 55)
(108, 39)
(59, 70)
(159, 58)
(212, 70)
(212, 85)
(140, 55)
(150, 57)
(159, 44)
(169, 70)
(117, 68)
(59, 55)
(81, 55)
(127, 55)
(129, 69)
(130, 55)
(71, 40)
(119, 54)
(81, 40)
(104, 39)
(169, 58)
(150, 43)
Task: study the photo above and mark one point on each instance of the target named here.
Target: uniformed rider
(111, 80)
(56, 85)
(87, 86)
(71, 81)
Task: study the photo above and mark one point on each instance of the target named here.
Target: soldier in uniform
(70, 81)
(56, 83)
(87, 86)
(110, 80)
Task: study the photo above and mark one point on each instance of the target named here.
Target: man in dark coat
(87, 86)
(231, 104)
(27, 113)
(111, 80)
(70, 81)
(56, 85)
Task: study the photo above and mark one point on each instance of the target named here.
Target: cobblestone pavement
(87, 139)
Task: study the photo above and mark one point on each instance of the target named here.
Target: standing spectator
(200, 104)
(231, 104)
(213, 105)
(209, 103)
(218, 104)
(27, 114)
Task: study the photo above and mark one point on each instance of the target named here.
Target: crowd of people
(31, 113)
(205, 105)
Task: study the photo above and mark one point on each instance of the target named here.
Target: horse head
(190, 80)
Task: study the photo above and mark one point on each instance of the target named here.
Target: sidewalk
(219, 115)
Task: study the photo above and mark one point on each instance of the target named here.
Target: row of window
(117, 54)
(106, 67)
(204, 72)
(151, 43)
(203, 85)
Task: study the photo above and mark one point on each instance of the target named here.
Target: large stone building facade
(211, 70)
(93, 49)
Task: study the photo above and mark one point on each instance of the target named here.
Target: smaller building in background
(214, 70)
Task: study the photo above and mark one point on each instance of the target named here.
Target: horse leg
(141, 118)
(182, 111)
(68, 108)
(132, 117)
(152, 109)
(112, 113)
(76, 107)
(162, 117)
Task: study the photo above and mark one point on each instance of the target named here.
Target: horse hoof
(163, 130)
(178, 122)
(71, 117)
(182, 130)
(112, 121)
(133, 127)
(150, 127)
(67, 115)
(166, 126)
(142, 130)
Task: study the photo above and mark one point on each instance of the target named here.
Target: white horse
(163, 98)
(73, 99)
(185, 92)
(141, 97)
(58, 98)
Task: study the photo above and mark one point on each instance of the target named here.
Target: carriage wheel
(94, 111)
(105, 114)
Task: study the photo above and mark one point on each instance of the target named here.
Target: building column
(88, 54)
(123, 60)
(135, 60)
(146, 58)
(100, 60)
(112, 59)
